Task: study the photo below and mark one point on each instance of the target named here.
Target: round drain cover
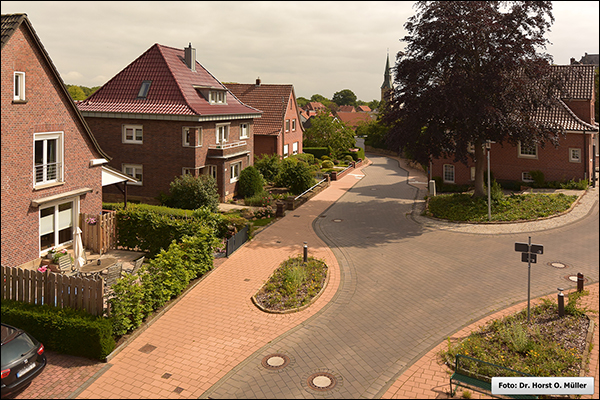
(275, 361)
(557, 264)
(322, 381)
(573, 278)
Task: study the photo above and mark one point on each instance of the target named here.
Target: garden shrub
(327, 164)
(538, 178)
(348, 158)
(306, 157)
(250, 182)
(269, 166)
(296, 176)
(128, 308)
(64, 330)
(261, 199)
(190, 192)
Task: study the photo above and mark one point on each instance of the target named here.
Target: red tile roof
(271, 99)
(353, 119)
(562, 115)
(171, 90)
(363, 108)
(580, 82)
(346, 109)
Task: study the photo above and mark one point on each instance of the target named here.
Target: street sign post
(529, 254)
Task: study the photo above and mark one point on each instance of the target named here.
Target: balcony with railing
(47, 173)
(227, 150)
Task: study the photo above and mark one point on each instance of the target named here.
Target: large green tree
(344, 97)
(327, 131)
(471, 72)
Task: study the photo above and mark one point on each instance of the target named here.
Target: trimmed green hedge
(63, 330)
(318, 152)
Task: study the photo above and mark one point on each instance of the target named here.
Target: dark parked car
(23, 359)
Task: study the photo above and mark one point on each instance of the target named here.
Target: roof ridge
(187, 103)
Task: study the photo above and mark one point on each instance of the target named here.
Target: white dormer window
(19, 88)
(217, 97)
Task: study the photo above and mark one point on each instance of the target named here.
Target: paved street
(403, 289)
(400, 285)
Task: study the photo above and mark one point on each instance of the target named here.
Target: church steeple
(386, 87)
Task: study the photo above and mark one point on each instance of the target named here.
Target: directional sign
(536, 249)
(529, 257)
(525, 248)
(522, 247)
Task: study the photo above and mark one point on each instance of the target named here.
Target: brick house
(279, 130)
(572, 159)
(51, 163)
(165, 115)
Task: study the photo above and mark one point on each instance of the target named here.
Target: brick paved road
(403, 289)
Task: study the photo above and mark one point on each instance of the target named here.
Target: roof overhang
(170, 117)
(110, 176)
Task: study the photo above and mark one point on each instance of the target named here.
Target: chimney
(258, 81)
(190, 57)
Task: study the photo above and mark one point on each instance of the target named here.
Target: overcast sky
(319, 47)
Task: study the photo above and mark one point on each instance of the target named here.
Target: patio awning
(110, 176)
(48, 199)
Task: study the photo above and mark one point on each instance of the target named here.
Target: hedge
(318, 152)
(64, 330)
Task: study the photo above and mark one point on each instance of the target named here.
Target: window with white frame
(222, 133)
(133, 134)
(217, 97)
(294, 124)
(526, 177)
(448, 173)
(56, 224)
(212, 171)
(286, 150)
(287, 125)
(575, 155)
(134, 170)
(295, 148)
(235, 171)
(192, 136)
(19, 87)
(526, 151)
(48, 158)
(244, 132)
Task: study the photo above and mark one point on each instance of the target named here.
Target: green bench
(476, 375)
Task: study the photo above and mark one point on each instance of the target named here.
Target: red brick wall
(47, 109)
(292, 135)
(163, 156)
(264, 144)
(506, 165)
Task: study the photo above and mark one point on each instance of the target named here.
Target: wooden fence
(31, 286)
(100, 236)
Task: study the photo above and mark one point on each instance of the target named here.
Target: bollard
(579, 282)
(561, 303)
(305, 252)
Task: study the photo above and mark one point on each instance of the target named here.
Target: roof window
(144, 90)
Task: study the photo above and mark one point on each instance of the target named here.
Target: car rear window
(16, 348)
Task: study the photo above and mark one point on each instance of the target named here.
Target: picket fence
(31, 286)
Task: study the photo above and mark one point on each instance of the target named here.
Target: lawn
(516, 207)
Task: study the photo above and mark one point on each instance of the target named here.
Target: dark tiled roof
(271, 99)
(10, 22)
(562, 115)
(580, 81)
(172, 89)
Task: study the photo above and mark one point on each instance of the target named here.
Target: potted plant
(59, 254)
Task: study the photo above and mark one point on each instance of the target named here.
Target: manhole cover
(573, 278)
(557, 264)
(148, 348)
(275, 361)
(322, 381)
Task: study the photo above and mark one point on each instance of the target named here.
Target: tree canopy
(344, 97)
(471, 72)
(326, 131)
